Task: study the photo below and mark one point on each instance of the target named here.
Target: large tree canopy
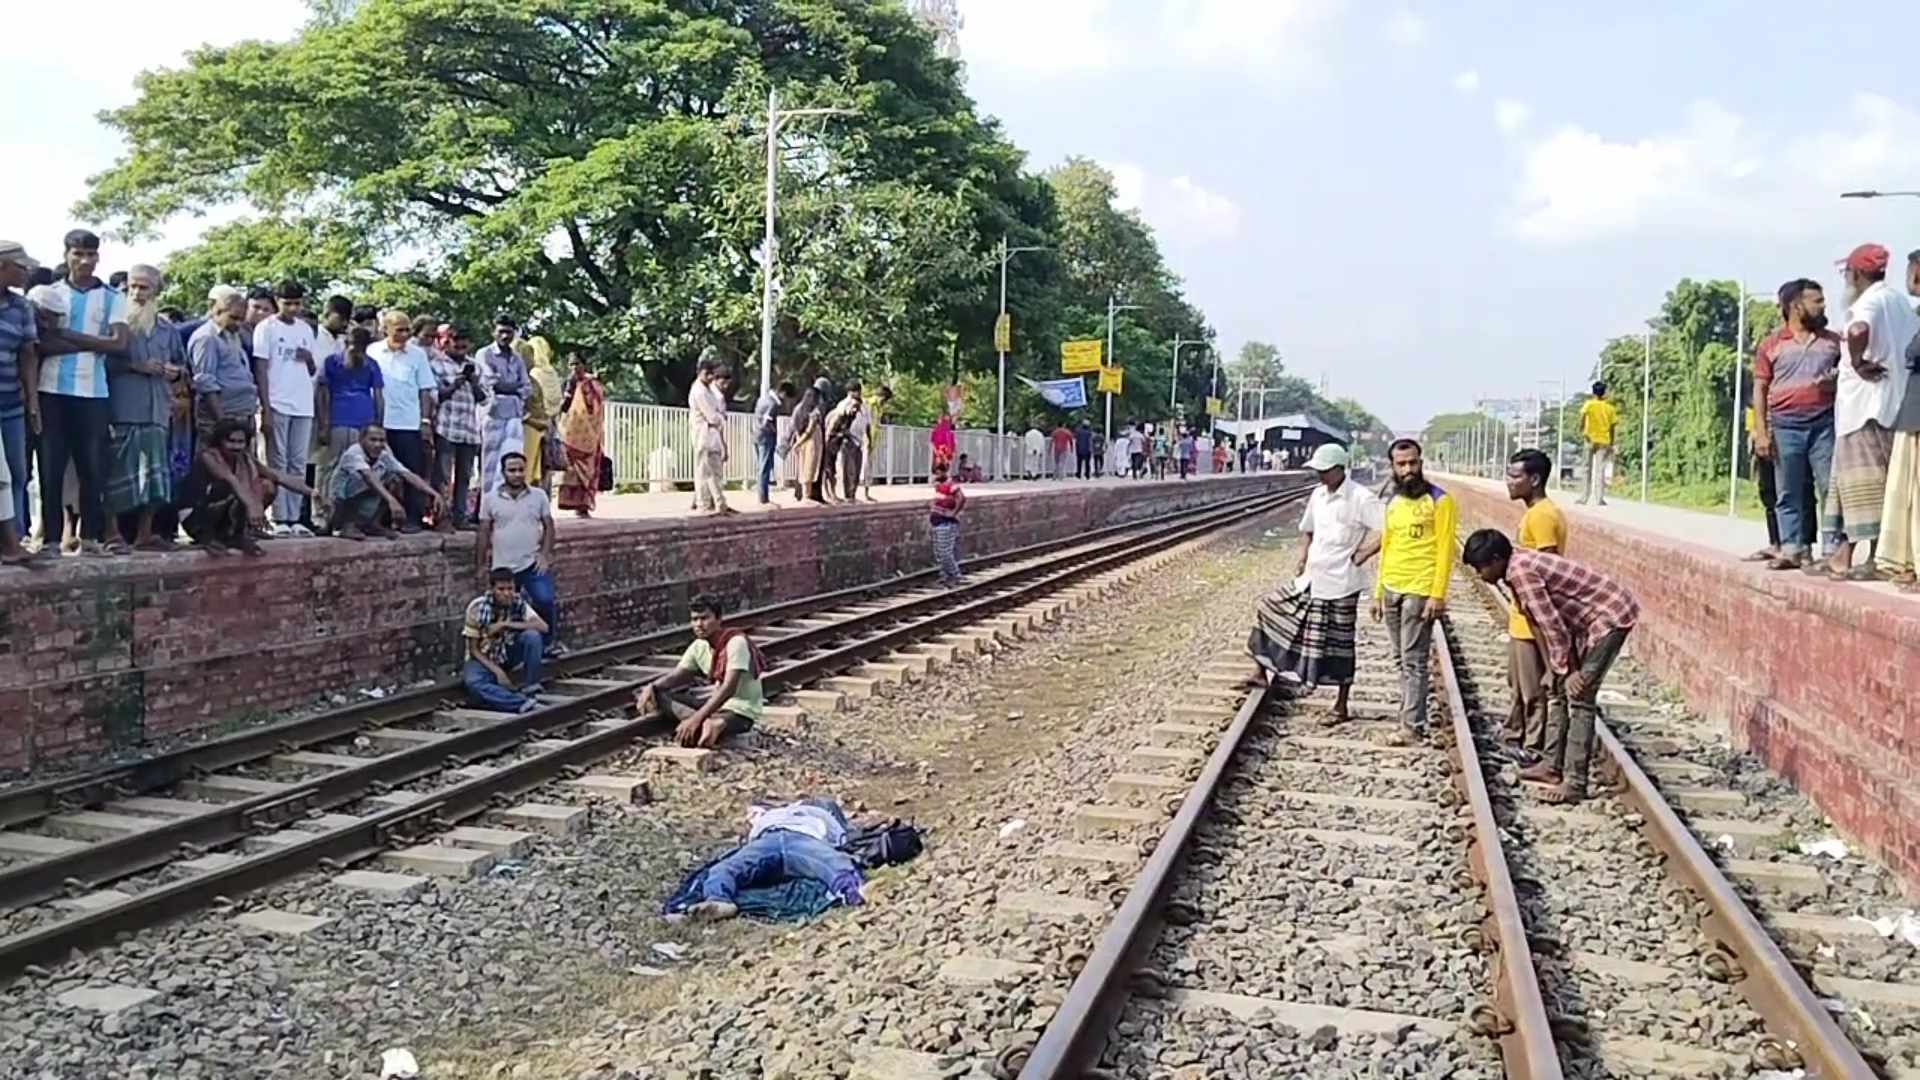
(597, 165)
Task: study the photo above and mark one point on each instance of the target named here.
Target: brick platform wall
(1821, 682)
(97, 655)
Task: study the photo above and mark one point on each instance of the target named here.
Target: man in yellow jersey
(1598, 418)
(1416, 558)
(1543, 527)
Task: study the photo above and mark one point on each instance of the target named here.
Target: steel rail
(1524, 1035)
(27, 802)
(1749, 957)
(353, 842)
(1070, 1046)
(109, 860)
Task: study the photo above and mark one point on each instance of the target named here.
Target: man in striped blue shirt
(19, 371)
(73, 391)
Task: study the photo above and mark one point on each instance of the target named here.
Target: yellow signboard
(1003, 334)
(1079, 357)
(1215, 406)
(1110, 380)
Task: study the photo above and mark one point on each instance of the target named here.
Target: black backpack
(884, 843)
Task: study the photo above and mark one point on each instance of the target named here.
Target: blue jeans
(537, 586)
(13, 440)
(1802, 464)
(765, 446)
(523, 655)
(778, 855)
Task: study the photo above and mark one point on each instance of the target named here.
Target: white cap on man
(1328, 456)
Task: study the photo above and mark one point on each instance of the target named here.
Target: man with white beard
(139, 467)
(1873, 380)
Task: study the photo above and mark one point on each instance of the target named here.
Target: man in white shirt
(707, 404)
(1305, 630)
(1873, 380)
(409, 384)
(1035, 445)
(290, 351)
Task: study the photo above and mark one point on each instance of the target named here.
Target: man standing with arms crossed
(287, 348)
(1543, 527)
(1598, 419)
(708, 409)
(516, 534)
(1416, 559)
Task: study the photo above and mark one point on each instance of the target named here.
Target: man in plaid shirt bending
(1581, 619)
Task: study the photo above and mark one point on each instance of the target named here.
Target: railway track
(1316, 902)
(109, 852)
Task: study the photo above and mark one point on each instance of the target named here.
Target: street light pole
(1646, 412)
(1000, 423)
(1113, 308)
(770, 249)
(1739, 396)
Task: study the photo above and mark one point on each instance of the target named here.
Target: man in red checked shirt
(1580, 619)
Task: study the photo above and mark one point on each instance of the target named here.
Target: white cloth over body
(796, 817)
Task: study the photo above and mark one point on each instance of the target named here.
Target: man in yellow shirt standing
(1543, 527)
(1416, 559)
(1598, 418)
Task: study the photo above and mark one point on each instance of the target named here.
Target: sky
(1421, 204)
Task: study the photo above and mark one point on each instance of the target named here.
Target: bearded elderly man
(1873, 379)
(140, 400)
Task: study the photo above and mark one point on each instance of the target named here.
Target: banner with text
(1060, 393)
(1003, 334)
(1080, 357)
(1110, 380)
(1216, 407)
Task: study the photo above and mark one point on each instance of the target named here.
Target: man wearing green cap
(1306, 628)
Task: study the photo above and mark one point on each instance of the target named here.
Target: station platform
(1820, 679)
(108, 654)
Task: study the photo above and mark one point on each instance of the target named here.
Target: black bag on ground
(884, 843)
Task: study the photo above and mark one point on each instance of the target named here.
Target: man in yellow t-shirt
(1416, 560)
(1543, 527)
(1598, 418)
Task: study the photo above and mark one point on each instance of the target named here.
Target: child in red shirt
(943, 521)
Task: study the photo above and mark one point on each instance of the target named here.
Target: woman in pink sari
(943, 440)
(583, 425)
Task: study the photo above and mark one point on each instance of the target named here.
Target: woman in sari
(583, 426)
(809, 434)
(943, 440)
(541, 405)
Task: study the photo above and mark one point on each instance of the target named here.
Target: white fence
(655, 443)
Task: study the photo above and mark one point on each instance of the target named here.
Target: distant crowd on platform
(1567, 626)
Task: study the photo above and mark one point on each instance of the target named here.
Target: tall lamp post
(776, 116)
(1173, 391)
(1113, 308)
(1000, 424)
(1739, 400)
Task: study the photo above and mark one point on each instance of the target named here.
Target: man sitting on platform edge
(733, 700)
(503, 633)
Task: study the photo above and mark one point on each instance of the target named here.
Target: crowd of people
(1836, 427)
(260, 418)
(1568, 622)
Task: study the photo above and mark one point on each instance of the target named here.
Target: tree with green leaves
(596, 165)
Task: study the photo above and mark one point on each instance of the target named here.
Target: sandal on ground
(1867, 572)
(1782, 562)
(1561, 795)
(114, 548)
(1765, 555)
(1819, 568)
(154, 544)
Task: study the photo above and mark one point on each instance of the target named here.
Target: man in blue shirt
(73, 392)
(19, 374)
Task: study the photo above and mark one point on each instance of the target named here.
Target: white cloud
(1406, 29)
(1510, 115)
(1467, 81)
(1176, 207)
(1268, 37)
(1717, 172)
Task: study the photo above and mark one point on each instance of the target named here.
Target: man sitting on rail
(731, 702)
(503, 632)
(1580, 618)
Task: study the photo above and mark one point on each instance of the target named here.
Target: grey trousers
(709, 480)
(1570, 720)
(1412, 639)
(1527, 677)
(291, 435)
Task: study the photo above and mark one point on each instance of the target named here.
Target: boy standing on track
(1581, 618)
(1543, 527)
(1305, 630)
(731, 703)
(943, 520)
(1416, 560)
